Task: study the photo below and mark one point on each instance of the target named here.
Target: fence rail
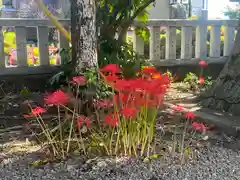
(191, 51)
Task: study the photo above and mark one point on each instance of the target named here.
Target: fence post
(186, 43)
(215, 42)
(42, 32)
(21, 46)
(155, 43)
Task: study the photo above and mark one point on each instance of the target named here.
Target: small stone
(146, 160)
(102, 164)
(205, 138)
(71, 167)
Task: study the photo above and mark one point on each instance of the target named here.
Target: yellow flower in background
(37, 61)
(53, 60)
(30, 62)
(35, 51)
(193, 18)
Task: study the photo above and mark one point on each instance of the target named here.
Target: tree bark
(224, 95)
(84, 34)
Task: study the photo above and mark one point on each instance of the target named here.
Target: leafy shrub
(198, 82)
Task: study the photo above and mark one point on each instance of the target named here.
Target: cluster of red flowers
(83, 120)
(147, 89)
(197, 126)
(79, 80)
(58, 98)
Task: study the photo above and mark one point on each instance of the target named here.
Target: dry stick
(53, 19)
(47, 134)
(60, 130)
(71, 128)
(183, 139)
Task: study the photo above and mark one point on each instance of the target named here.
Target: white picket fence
(20, 26)
(187, 27)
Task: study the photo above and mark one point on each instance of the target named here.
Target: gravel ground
(218, 161)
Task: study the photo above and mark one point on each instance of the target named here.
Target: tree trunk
(225, 93)
(84, 34)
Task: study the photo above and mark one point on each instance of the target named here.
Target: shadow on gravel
(228, 142)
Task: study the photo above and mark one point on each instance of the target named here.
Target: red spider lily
(149, 69)
(112, 77)
(156, 75)
(106, 103)
(201, 80)
(198, 126)
(112, 119)
(129, 112)
(83, 120)
(121, 98)
(189, 115)
(57, 98)
(79, 122)
(88, 122)
(38, 111)
(79, 80)
(203, 63)
(178, 108)
(141, 91)
(123, 84)
(111, 68)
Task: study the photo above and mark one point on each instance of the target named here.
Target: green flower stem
(183, 138)
(201, 72)
(117, 141)
(111, 141)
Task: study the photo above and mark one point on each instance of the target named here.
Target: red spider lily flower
(79, 122)
(112, 68)
(156, 75)
(88, 122)
(121, 98)
(189, 115)
(178, 108)
(38, 111)
(106, 103)
(123, 85)
(203, 63)
(198, 126)
(149, 69)
(201, 80)
(79, 80)
(57, 98)
(129, 112)
(83, 120)
(112, 120)
(112, 77)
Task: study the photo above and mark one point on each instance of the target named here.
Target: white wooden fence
(187, 27)
(42, 27)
